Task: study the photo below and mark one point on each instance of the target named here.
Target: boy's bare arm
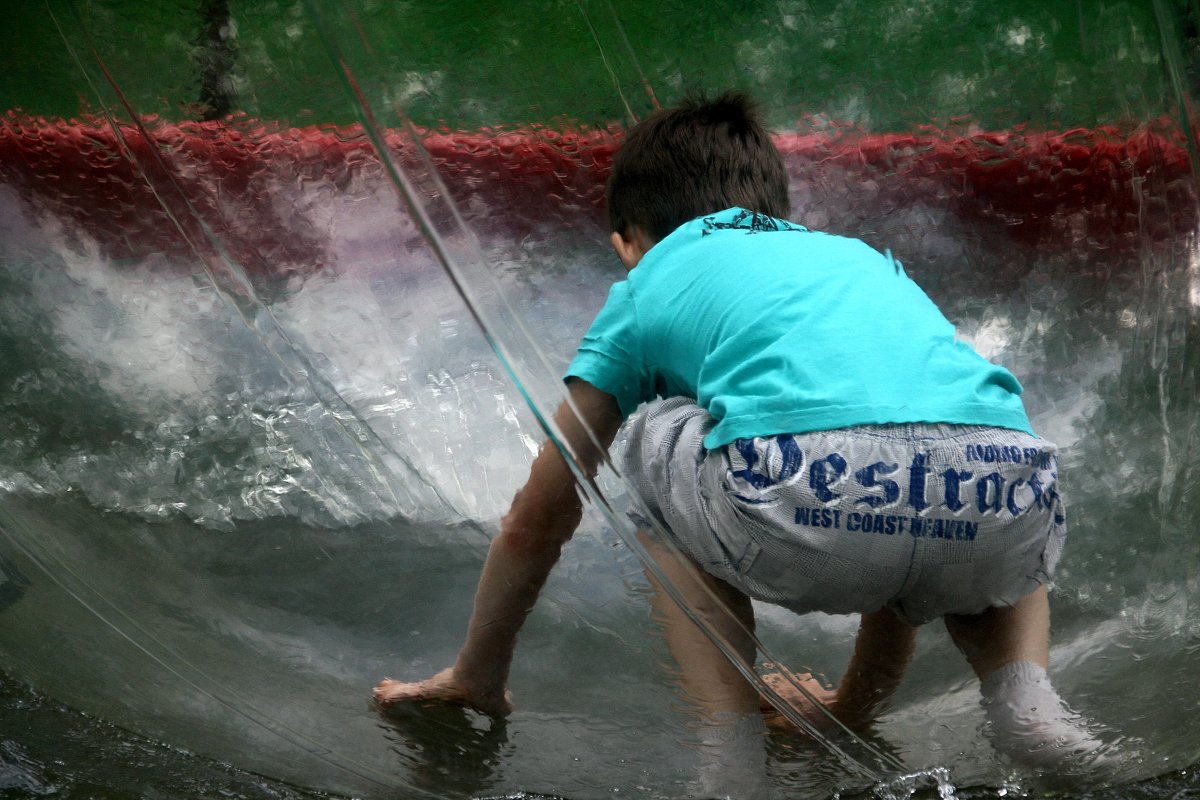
(543, 517)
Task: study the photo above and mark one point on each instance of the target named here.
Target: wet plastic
(268, 385)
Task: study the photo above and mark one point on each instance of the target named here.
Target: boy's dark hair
(698, 158)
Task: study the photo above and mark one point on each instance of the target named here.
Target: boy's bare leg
(884, 646)
(732, 731)
(1003, 635)
(882, 650)
(1009, 649)
(708, 679)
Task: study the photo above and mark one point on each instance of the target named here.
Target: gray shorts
(927, 519)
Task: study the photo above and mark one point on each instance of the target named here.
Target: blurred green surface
(883, 64)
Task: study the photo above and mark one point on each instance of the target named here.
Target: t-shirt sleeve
(610, 355)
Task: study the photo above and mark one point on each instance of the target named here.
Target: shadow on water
(50, 750)
(12, 584)
(447, 750)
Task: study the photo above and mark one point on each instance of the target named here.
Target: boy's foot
(441, 688)
(1031, 724)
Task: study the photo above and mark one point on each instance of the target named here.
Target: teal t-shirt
(773, 328)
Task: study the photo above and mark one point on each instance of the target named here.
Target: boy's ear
(630, 250)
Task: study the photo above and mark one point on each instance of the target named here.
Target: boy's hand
(441, 688)
(794, 698)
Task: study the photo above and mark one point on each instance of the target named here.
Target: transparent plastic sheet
(415, 177)
(1138, 611)
(231, 282)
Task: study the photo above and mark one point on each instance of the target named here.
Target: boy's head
(700, 157)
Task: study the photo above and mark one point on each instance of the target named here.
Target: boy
(823, 442)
